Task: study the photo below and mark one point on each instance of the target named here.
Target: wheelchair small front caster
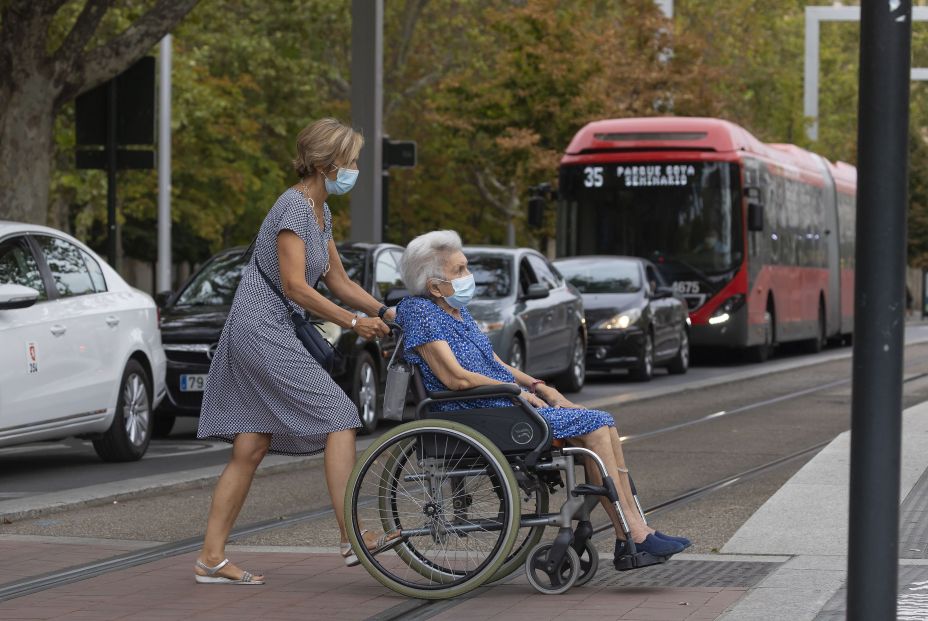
(554, 580)
(589, 563)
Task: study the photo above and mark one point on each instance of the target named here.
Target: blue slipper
(683, 541)
(652, 545)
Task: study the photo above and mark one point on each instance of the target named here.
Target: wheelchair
(467, 493)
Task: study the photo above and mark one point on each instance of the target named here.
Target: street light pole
(879, 321)
(164, 170)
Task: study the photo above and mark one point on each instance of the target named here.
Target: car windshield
(492, 274)
(602, 275)
(216, 283)
(353, 262)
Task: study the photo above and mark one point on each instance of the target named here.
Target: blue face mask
(343, 183)
(464, 288)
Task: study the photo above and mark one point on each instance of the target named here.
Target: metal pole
(111, 173)
(876, 420)
(164, 170)
(367, 115)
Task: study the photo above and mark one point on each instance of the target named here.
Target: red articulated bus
(758, 238)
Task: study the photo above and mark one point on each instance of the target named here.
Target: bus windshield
(686, 217)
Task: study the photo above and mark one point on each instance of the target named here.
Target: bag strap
(274, 287)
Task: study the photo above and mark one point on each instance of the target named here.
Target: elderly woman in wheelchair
(465, 488)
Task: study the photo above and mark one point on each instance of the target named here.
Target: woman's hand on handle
(371, 328)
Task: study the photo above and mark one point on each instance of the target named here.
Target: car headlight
(620, 321)
(331, 332)
(726, 309)
(489, 326)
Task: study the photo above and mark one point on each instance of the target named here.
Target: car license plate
(192, 383)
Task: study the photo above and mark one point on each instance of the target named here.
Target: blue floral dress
(423, 321)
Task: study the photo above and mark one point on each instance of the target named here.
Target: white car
(80, 350)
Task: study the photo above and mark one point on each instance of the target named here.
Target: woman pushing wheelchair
(451, 352)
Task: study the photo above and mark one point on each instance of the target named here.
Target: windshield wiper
(687, 265)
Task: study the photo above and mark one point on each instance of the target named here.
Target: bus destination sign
(656, 175)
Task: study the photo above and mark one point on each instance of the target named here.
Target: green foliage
(491, 90)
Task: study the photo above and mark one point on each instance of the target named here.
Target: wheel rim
(517, 358)
(685, 349)
(579, 362)
(453, 525)
(135, 410)
(648, 355)
(563, 577)
(367, 394)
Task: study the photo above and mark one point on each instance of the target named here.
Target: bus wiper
(687, 265)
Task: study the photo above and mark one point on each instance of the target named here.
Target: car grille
(196, 353)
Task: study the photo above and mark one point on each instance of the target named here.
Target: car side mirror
(661, 293)
(17, 296)
(755, 217)
(395, 295)
(162, 298)
(536, 291)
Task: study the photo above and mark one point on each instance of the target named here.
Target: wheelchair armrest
(480, 392)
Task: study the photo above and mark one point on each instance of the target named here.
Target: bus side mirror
(755, 217)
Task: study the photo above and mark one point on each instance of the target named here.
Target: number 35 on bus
(758, 238)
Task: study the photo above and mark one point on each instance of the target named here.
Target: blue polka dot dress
(423, 321)
(262, 379)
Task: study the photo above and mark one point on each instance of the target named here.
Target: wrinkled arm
(442, 362)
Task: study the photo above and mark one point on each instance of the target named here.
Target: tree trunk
(27, 135)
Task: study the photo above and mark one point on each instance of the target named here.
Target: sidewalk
(787, 562)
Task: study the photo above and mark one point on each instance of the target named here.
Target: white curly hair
(425, 258)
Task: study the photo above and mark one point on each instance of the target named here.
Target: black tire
(574, 377)
(817, 344)
(162, 425)
(128, 437)
(681, 361)
(645, 369)
(365, 392)
(516, 357)
(760, 353)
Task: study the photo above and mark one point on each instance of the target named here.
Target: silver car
(531, 315)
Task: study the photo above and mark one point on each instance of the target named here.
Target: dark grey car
(634, 319)
(533, 317)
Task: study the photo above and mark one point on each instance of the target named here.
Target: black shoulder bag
(306, 330)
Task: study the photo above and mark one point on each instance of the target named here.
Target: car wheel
(365, 392)
(645, 369)
(128, 437)
(162, 425)
(681, 362)
(517, 354)
(573, 378)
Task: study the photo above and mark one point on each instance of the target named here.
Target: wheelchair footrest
(627, 562)
(588, 489)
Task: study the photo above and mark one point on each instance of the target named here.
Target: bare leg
(339, 460)
(600, 443)
(623, 482)
(248, 449)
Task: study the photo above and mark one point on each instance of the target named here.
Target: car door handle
(112, 321)
(58, 329)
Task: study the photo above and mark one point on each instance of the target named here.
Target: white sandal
(384, 542)
(212, 578)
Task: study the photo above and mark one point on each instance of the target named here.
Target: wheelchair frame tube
(607, 482)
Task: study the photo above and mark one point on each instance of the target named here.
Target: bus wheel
(760, 353)
(817, 344)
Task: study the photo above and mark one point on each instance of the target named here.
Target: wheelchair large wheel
(533, 505)
(450, 493)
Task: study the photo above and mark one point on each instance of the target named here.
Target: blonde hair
(322, 143)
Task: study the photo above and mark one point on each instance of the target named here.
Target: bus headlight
(621, 321)
(725, 310)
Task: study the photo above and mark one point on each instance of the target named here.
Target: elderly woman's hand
(556, 399)
(371, 328)
(534, 400)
